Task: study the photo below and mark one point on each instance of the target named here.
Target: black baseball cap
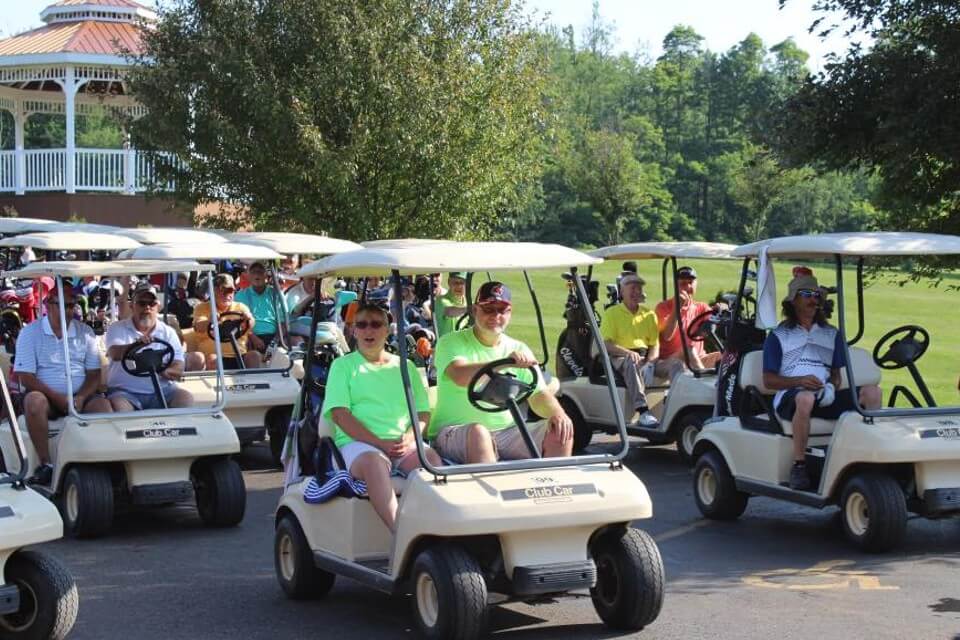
(687, 272)
(493, 291)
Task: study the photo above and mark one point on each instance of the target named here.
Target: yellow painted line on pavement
(821, 576)
(679, 531)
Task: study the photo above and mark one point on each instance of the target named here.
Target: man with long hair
(802, 359)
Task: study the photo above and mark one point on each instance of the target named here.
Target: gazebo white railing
(104, 170)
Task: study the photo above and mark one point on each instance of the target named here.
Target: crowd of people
(364, 397)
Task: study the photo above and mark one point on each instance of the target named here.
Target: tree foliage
(892, 107)
(364, 118)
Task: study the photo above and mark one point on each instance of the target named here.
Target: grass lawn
(887, 306)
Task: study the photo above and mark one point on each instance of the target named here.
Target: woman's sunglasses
(373, 324)
(808, 293)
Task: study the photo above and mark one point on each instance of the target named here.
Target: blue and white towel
(338, 483)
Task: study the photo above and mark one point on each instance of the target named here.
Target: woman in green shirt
(365, 400)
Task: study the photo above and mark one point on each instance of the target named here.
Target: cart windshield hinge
(440, 479)
(616, 465)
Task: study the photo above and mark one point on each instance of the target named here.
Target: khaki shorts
(451, 442)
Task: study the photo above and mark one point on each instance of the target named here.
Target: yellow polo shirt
(630, 330)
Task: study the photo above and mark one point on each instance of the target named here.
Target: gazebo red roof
(105, 38)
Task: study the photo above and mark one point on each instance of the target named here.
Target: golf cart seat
(751, 381)
(310, 438)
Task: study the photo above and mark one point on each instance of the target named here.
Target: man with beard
(463, 433)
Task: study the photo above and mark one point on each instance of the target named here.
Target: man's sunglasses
(808, 293)
(491, 309)
(146, 303)
(372, 324)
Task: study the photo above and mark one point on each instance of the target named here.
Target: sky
(640, 24)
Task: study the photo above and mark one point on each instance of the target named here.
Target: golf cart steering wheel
(904, 350)
(146, 358)
(501, 388)
(231, 322)
(695, 330)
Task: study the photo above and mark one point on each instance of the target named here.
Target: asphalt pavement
(781, 571)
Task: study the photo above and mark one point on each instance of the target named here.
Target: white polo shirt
(125, 333)
(40, 352)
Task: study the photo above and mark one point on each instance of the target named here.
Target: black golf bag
(574, 346)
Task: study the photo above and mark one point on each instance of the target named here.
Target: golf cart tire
(86, 501)
(47, 592)
(686, 428)
(630, 579)
(449, 594)
(297, 574)
(884, 525)
(278, 420)
(715, 490)
(582, 430)
(220, 491)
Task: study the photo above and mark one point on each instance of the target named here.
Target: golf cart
(876, 465)
(64, 238)
(38, 597)
(466, 535)
(258, 401)
(151, 457)
(681, 405)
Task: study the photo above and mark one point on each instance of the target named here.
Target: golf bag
(574, 346)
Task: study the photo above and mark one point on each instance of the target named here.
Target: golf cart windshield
(144, 365)
(889, 299)
(7, 476)
(409, 259)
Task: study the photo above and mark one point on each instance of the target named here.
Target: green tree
(892, 107)
(364, 118)
(622, 190)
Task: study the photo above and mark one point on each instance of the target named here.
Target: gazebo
(74, 65)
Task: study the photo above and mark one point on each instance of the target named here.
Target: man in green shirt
(453, 304)
(262, 301)
(463, 433)
(632, 337)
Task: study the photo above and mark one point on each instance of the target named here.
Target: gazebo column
(70, 91)
(20, 156)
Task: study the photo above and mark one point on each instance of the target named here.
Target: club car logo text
(554, 493)
(945, 432)
(246, 388)
(161, 430)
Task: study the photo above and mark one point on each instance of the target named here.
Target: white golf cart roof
(170, 235)
(401, 242)
(71, 241)
(646, 250)
(81, 268)
(290, 243)
(412, 257)
(873, 243)
(25, 225)
(222, 250)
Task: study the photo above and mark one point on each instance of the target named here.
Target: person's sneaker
(799, 480)
(42, 475)
(647, 419)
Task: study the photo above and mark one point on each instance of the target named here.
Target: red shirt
(673, 347)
